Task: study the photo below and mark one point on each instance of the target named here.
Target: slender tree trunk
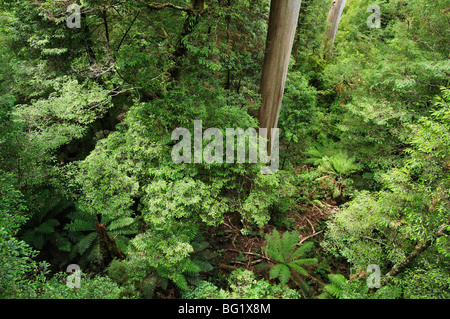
(197, 7)
(283, 21)
(334, 17)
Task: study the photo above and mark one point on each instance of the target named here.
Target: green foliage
(96, 287)
(385, 227)
(135, 277)
(86, 117)
(181, 263)
(44, 229)
(87, 249)
(336, 288)
(300, 118)
(20, 275)
(290, 258)
(335, 168)
(269, 198)
(242, 284)
(426, 282)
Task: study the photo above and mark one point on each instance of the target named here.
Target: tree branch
(128, 30)
(308, 237)
(397, 268)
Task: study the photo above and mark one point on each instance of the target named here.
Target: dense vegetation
(87, 178)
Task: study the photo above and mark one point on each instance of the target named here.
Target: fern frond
(86, 242)
(120, 223)
(63, 244)
(203, 264)
(95, 255)
(306, 261)
(122, 243)
(29, 236)
(191, 268)
(275, 271)
(333, 290)
(337, 286)
(199, 246)
(303, 250)
(45, 228)
(38, 241)
(285, 274)
(338, 280)
(280, 271)
(123, 232)
(140, 243)
(274, 246)
(288, 244)
(80, 213)
(79, 225)
(300, 270)
(180, 281)
(148, 287)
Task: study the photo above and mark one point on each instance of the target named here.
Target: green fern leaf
(302, 250)
(204, 265)
(122, 243)
(333, 291)
(306, 261)
(280, 271)
(120, 223)
(200, 246)
(275, 271)
(63, 244)
(45, 228)
(288, 244)
(38, 241)
(95, 255)
(337, 286)
(274, 246)
(300, 270)
(191, 268)
(285, 274)
(86, 242)
(338, 280)
(180, 281)
(81, 225)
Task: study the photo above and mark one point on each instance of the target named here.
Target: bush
(242, 284)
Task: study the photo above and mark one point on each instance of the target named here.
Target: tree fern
(83, 226)
(45, 231)
(289, 258)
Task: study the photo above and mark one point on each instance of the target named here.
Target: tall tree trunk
(334, 17)
(283, 21)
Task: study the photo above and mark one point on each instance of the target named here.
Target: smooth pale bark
(283, 20)
(334, 17)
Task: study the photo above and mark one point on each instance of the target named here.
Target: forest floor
(238, 250)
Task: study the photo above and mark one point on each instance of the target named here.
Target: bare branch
(308, 237)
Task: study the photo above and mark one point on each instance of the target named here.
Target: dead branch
(308, 237)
